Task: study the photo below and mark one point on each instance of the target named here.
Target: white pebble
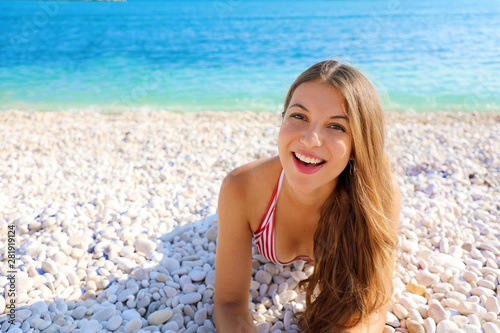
(190, 298)
(427, 278)
(490, 328)
(263, 277)
(160, 317)
(144, 246)
(114, 322)
(132, 325)
(171, 264)
(79, 312)
(446, 326)
(197, 275)
(200, 316)
(392, 320)
(429, 325)
(467, 308)
(438, 313)
(262, 328)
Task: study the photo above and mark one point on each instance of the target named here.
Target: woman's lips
(308, 169)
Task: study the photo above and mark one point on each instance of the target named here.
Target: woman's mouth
(307, 164)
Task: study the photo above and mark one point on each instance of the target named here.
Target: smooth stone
(414, 327)
(410, 246)
(407, 302)
(130, 315)
(211, 234)
(44, 326)
(460, 320)
(426, 278)
(36, 322)
(467, 308)
(493, 247)
(415, 315)
(170, 291)
(438, 313)
(132, 325)
(39, 306)
(197, 275)
(456, 295)
(171, 264)
(299, 276)
(2, 304)
(200, 316)
(104, 314)
(392, 320)
(190, 298)
(33, 248)
(490, 328)
(474, 320)
(92, 326)
(160, 317)
(82, 240)
(79, 312)
(263, 277)
(162, 277)
(416, 288)
(144, 246)
(492, 305)
(448, 261)
(446, 326)
(114, 323)
(287, 320)
(471, 328)
(262, 328)
(400, 311)
(429, 325)
(23, 314)
(171, 326)
(443, 287)
(486, 284)
(210, 278)
(287, 296)
(489, 316)
(24, 282)
(15, 330)
(73, 278)
(388, 329)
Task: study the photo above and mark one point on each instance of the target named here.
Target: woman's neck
(312, 201)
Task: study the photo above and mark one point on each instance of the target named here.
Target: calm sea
(238, 55)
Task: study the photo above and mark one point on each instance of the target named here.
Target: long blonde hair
(355, 240)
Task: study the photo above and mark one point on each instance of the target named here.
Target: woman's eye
(337, 127)
(297, 116)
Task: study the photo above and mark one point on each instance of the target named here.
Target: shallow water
(239, 55)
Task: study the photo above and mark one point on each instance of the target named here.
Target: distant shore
(96, 198)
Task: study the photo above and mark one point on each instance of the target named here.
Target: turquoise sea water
(237, 55)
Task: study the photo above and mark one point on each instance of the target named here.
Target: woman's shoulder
(252, 174)
(251, 185)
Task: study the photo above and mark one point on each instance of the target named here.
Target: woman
(329, 197)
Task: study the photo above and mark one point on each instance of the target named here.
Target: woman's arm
(233, 259)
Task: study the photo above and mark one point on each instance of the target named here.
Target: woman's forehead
(319, 96)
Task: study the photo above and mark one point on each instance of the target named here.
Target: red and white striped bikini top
(264, 236)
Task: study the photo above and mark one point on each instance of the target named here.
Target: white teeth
(306, 159)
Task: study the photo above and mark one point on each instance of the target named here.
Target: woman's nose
(311, 138)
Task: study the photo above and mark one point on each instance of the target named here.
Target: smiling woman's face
(314, 141)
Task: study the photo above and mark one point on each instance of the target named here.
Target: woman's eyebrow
(305, 109)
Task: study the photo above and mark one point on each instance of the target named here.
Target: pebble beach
(116, 225)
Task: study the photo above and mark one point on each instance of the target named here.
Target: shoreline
(143, 110)
(96, 200)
